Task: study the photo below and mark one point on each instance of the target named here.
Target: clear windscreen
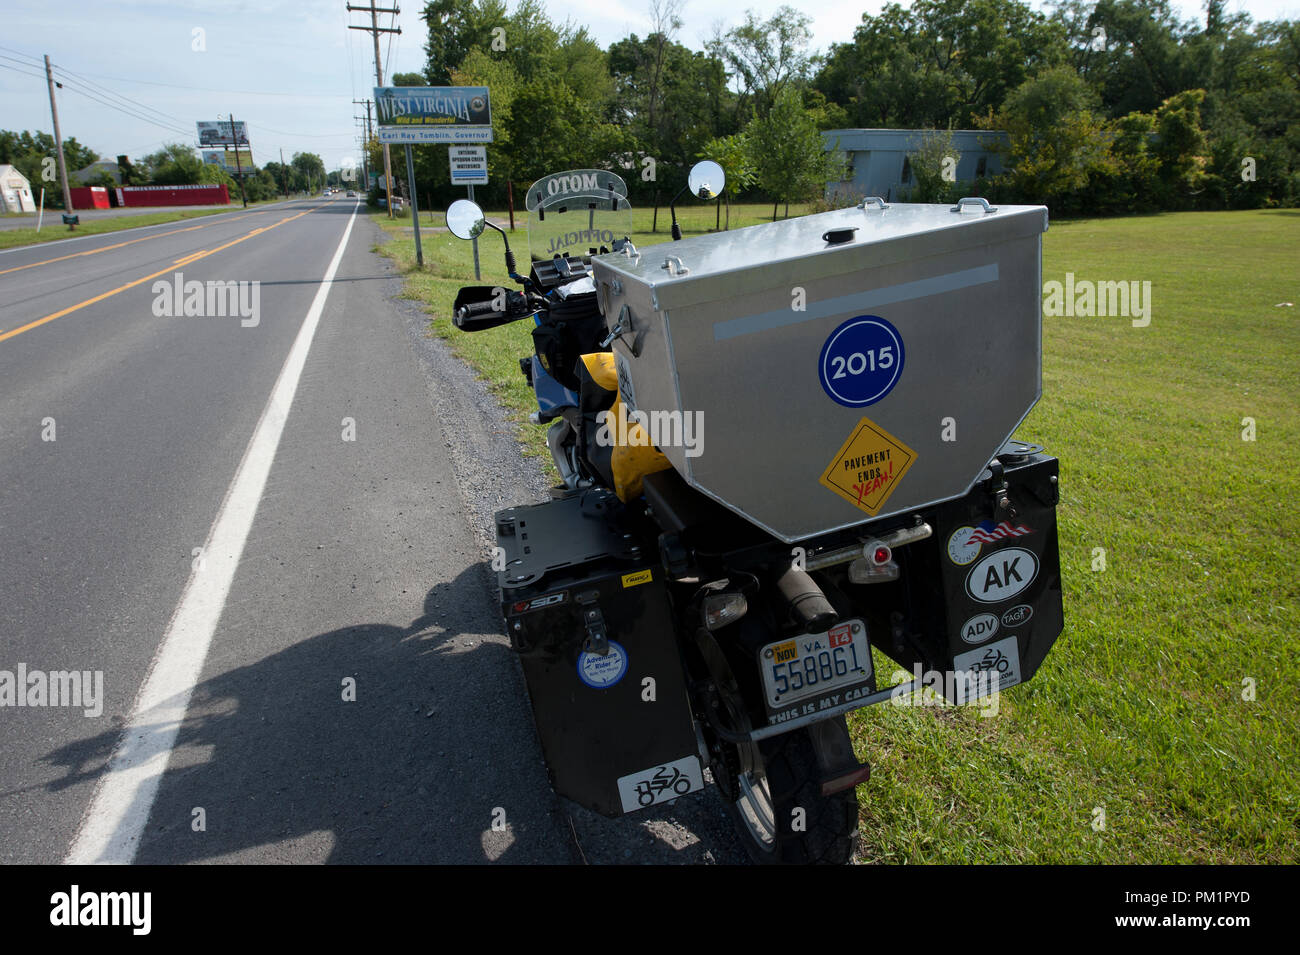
(577, 211)
(577, 225)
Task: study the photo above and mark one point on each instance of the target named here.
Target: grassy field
(53, 227)
(1163, 726)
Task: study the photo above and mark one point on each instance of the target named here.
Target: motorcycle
(680, 606)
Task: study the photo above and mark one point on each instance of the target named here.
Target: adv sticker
(600, 673)
(868, 467)
(979, 628)
(1001, 575)
(861, 361)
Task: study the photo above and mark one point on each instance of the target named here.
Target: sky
(291, 68)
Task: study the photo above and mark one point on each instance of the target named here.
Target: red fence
(89, 197)
(175, 195)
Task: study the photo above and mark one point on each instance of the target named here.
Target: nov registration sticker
(868, 467)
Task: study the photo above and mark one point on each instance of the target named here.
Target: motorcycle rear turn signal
(722, 609)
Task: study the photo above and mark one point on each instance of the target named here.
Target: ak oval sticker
(1002, 575)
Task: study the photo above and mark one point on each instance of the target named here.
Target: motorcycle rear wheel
(780, 812)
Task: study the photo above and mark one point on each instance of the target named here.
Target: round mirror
(706, 180)
(465, 219)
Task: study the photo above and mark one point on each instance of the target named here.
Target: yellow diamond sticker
(868, 467)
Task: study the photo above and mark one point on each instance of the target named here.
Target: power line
(16, 70)
(104, 89)
(209, 89)
(144, 118)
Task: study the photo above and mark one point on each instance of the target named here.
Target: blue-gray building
(878, 162)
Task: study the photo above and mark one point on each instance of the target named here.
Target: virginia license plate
(815, 663)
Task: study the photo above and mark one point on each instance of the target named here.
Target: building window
(981, 167)
(907, 169)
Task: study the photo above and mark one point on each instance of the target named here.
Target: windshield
(578, 211)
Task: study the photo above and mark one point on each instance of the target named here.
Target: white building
(15, 191)
(878, 163)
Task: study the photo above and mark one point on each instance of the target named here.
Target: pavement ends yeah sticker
(868, 467)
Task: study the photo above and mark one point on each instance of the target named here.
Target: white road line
(115, 819)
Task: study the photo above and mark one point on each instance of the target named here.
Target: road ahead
(262, 528)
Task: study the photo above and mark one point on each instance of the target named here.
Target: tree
(929, 162)
(789, 156)
(455, 28)
(28, 152)
(766, 55)
(732, 153)
(174, 165)
(1057, 140)
(939, 63)
(311, 169)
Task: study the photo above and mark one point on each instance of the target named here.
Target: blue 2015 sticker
(861, 361)
(600, 673)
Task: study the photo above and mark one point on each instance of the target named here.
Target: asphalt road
(52, 218)
(267, 532)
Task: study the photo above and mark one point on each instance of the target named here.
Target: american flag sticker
(986, 533)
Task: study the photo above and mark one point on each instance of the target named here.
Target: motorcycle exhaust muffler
(805, 601)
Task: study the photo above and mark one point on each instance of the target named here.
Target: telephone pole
(58, 141)
(374, 30)
(239, 172)
(365, 150)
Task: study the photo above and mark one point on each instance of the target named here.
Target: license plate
(815, 663)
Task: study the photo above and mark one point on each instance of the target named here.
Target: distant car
(352, 193)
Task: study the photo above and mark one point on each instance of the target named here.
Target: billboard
(433, 114)
(218, 133)
(225, 158)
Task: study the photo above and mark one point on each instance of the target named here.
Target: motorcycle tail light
(881, 554)
(723, 609)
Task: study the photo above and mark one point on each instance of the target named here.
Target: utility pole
(58, 141)
(365, 151)
(239, 171)
(285, 173)
(374, 30)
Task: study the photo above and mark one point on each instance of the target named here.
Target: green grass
(1138, 710)
(53, 227)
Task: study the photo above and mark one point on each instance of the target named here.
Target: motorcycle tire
(780, 812)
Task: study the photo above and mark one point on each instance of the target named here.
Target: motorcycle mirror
(465, 220)
(706, 180)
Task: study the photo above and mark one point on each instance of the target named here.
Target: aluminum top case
(834, 369)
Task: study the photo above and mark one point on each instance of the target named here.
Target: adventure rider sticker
(600, 673)
(868, 467)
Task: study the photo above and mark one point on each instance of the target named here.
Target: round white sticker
(1001, 575)
(961, 549)
(979, 628)
(600, 673)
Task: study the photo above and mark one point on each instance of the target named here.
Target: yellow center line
(119, 245)
(187, 260)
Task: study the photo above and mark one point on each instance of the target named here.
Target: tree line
(1103, 107)
(175, 164)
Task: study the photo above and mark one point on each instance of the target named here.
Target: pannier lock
(597, 641)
